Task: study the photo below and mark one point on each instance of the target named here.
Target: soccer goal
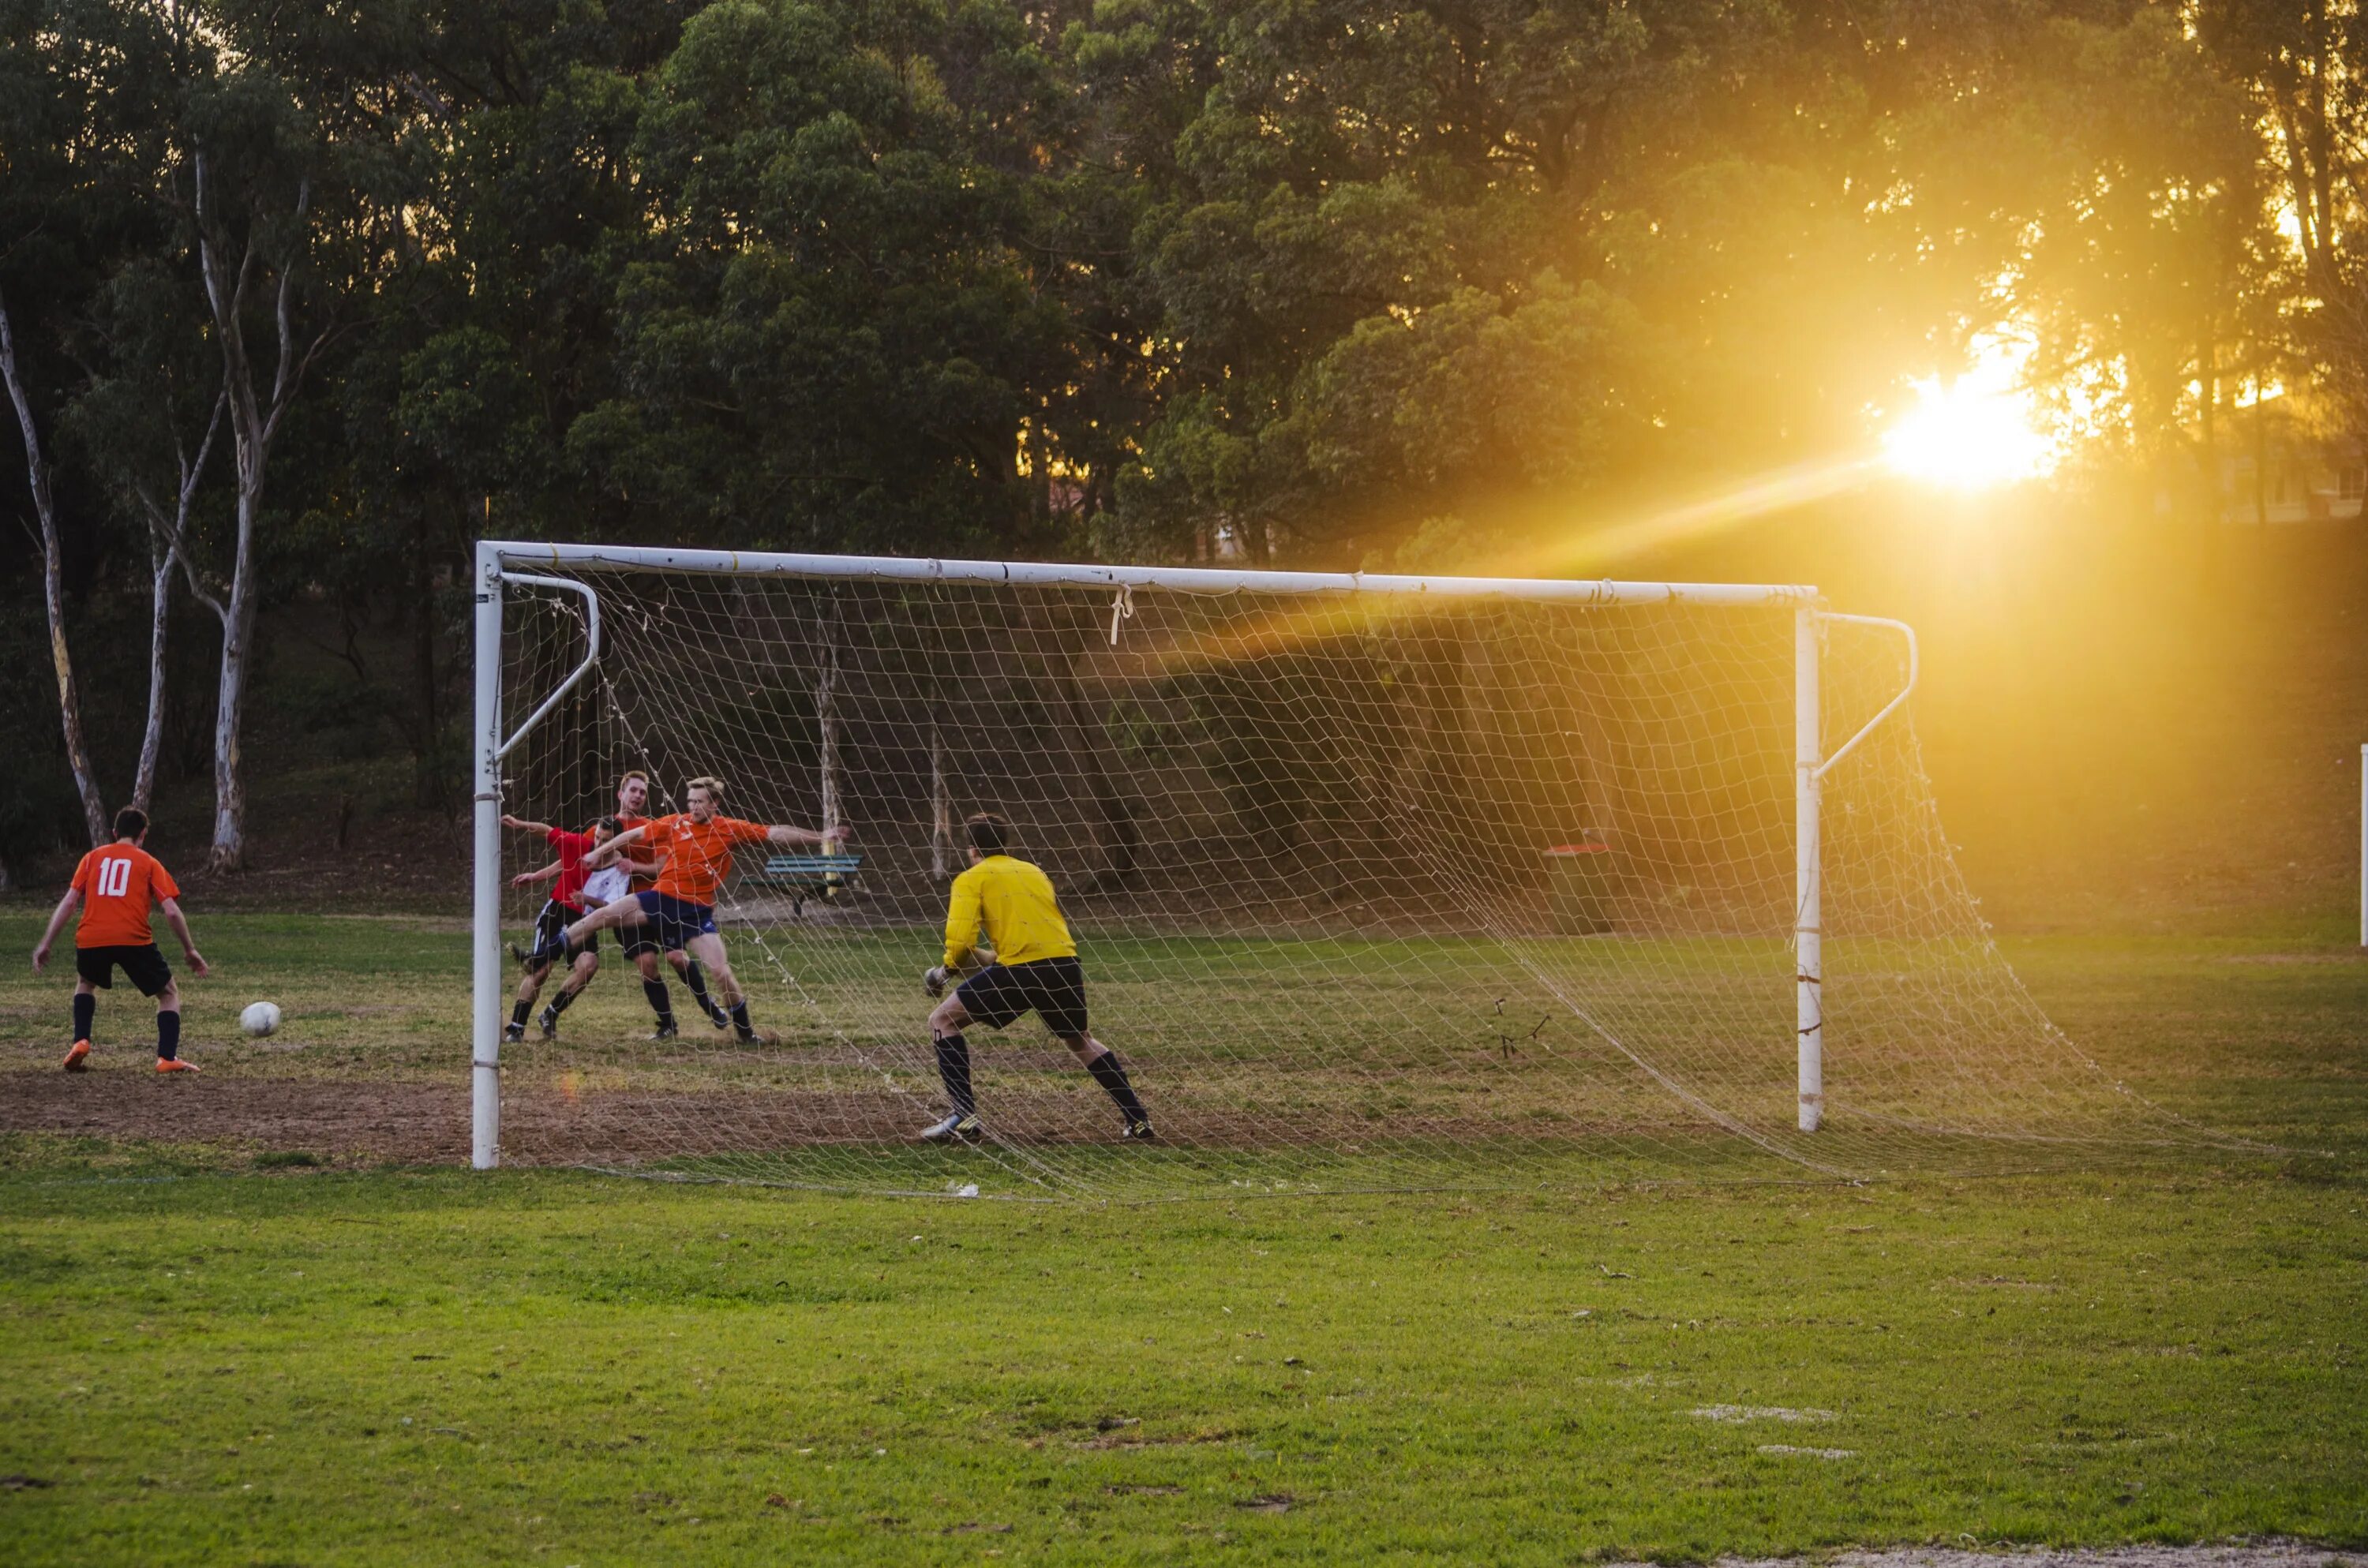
(1377, 881)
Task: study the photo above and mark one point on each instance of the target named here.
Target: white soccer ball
(260, 1018)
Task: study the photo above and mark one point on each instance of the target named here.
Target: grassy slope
(220, 1366)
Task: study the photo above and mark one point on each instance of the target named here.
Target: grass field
(241, 1350)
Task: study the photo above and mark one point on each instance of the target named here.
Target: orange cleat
(175, 1064)
(78, 1059)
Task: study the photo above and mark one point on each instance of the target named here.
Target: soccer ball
(260, 1018)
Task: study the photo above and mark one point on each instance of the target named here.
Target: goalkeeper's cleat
(513, 1033)
(78, 1059)
(175, 1064)
(1139, 1132)
(665, 1029)
(961, 1127)
(548, 1020)
(522, 956)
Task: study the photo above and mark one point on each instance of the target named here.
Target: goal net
(1376, 883)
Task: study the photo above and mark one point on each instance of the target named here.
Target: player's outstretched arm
(787, 836)
(528, 878)
(522, 825)
(58, 918)
(595, 858)
(180, 925)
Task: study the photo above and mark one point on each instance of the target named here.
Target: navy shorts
(672, 922)
(1053, 988)
(144, 966)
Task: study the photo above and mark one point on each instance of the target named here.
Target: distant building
(2276, 466)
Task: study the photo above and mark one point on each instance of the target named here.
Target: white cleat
(961, 1126)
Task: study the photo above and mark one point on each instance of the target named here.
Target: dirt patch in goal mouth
(400, 1121)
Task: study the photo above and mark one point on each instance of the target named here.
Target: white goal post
(503, 567)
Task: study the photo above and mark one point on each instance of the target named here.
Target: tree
(39, 469)
(830, 337)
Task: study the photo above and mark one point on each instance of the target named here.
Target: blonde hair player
(1030, 965)
(638, 874)
(698, 842)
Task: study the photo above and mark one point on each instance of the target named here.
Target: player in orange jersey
(640, 941)
(113, 888)
(698, 843)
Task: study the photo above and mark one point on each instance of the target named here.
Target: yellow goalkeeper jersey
(1015, 903)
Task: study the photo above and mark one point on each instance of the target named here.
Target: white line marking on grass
(1759, 1413)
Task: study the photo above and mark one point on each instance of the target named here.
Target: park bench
(808, 876)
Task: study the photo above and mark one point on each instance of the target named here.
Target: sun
(1976, 432)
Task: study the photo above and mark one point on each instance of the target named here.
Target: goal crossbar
(512, 554)
(501, 563)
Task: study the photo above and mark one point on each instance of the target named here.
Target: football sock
(168, 1034)
(86, 1013)
(740, 1019)
(696, 978)
(559, 1003)
(954, 1067)
(1110, 1074)
(518, 1013)
(660, 1004)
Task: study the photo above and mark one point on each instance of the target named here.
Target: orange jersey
(636, 881)
(117, 884)
(699, 855)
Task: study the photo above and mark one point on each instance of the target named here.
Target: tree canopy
(1288, 282)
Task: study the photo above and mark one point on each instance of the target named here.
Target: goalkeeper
(1032, 965)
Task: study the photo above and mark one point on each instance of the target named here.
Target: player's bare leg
(625, 911)
(707, 949)
(587, 964)
(689, 968)
(529, 989)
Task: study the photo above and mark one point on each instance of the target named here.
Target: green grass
(216, 1352)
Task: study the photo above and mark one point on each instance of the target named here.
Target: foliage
(1287, 282)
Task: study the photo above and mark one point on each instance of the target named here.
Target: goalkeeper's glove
(934, 983)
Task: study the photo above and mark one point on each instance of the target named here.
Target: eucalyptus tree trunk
(231, 277)
(167, 547)
(37, 467)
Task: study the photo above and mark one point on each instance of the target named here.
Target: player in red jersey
(114, 887)
(564, 904)
(698, 843)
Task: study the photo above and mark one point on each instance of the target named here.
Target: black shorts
(1053, 988)
(551, 927)
(144, 966)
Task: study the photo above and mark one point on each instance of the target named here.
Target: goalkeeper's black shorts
(1053, 988)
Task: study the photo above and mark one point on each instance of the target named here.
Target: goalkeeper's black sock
(660, 1003)
(519, 1011)
(1110, 1074)
(168, 1034)
(740, 1020)
(954, 1067)
(85, 1013)
(696, 978)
